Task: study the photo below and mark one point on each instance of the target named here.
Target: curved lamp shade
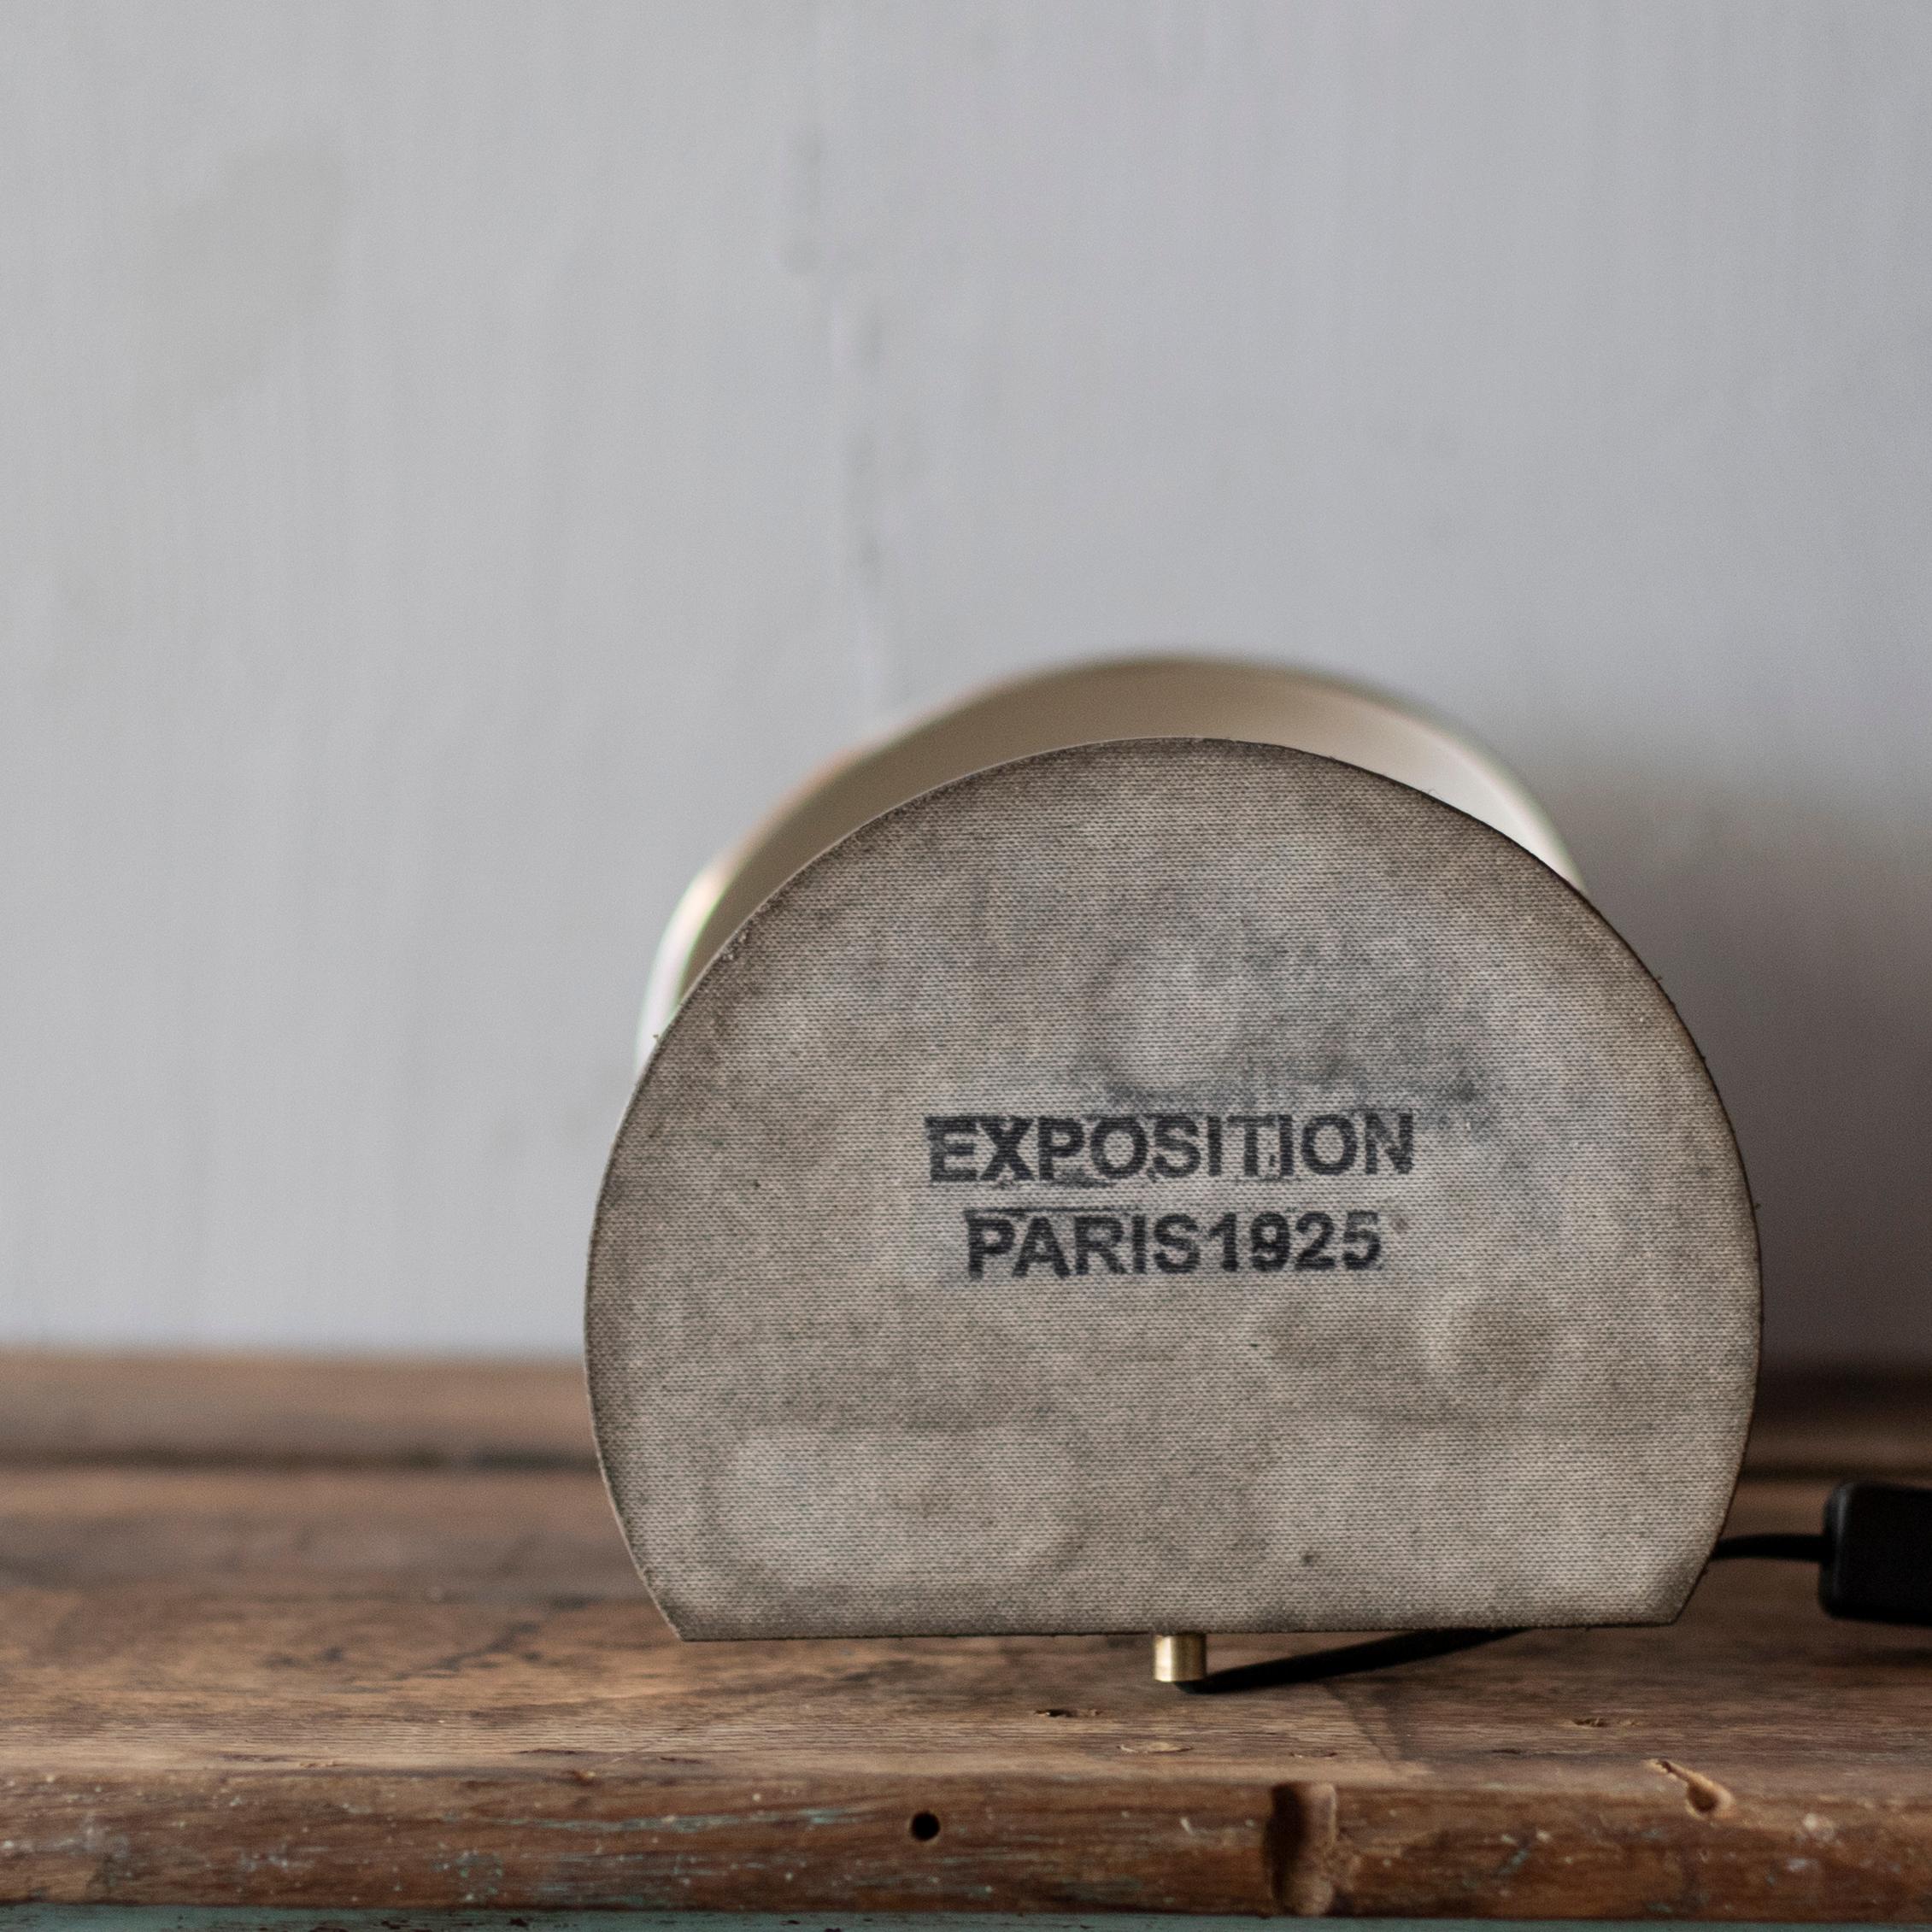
(1083, 704)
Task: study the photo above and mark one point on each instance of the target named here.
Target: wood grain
(440, 1686)
(69, 1406)
(1836, 1423)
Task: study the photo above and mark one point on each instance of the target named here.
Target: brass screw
(1179, 1657)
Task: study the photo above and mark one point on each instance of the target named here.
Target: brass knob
(1180, 1656)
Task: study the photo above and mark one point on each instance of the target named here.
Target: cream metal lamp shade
(1116, 698)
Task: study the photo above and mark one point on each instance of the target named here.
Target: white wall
(458, 462)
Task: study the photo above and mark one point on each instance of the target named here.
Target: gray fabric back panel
(844, 1382)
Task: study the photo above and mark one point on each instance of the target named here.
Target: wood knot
(1704, 1795)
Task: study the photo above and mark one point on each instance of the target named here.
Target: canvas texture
(1172, 1184)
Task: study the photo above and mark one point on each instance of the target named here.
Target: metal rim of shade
(1086, 703)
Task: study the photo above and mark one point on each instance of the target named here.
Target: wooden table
(333, 1635)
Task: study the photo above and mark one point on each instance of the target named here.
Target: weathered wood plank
(282, 1918)
(652, 1837)
(390, 1918)
(441, 1687)
(61, 1405)
(354, 1412)
(1839, 1424)
(424, 1688)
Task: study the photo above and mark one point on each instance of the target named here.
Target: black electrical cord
(1776, 1544)
(1343, 1661)
(1875, 1564)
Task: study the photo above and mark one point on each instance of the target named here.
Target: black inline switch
(1877, 1558)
